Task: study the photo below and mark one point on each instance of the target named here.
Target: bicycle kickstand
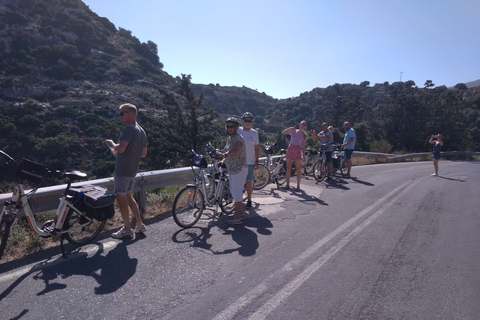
(64, 255)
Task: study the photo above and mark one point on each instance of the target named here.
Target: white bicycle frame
(19, 202)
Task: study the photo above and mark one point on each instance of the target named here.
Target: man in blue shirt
(348, 145)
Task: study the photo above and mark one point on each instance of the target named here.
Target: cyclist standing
(253, 151)
(348, 145)
(236, 160)
(326, 137)
(131, 147)
(296, 151)
(437, 141)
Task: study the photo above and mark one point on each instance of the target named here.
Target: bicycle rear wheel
(319, 170)
(261, 177)
(281, 175)
(80, 228)
(188, 207)
(343, 167)
(5, 226)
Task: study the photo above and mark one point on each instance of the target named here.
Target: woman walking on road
(437, 141)
(296, 150)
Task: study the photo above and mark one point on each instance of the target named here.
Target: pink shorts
(294, 152)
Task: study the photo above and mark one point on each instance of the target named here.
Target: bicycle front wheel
(319, 170)
(227, 204)
(281, 175)
(81, 229)
(309, 166)
(188, 207)
(261, 177)
(5, 226)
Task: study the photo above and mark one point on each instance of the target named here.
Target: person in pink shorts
(296, 150)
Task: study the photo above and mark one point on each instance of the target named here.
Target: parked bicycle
(339, 165)
(212, 189)
(70, 222)
(311, 157)
(320, 167)
(263, 175)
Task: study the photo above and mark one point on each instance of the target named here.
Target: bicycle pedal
(48, 226)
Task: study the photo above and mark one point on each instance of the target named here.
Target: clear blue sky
(287, 47)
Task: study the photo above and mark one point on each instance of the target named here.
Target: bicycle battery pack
(31, 171)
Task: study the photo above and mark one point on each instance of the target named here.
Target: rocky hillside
(64, 71)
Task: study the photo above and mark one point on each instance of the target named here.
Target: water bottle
(207, 181)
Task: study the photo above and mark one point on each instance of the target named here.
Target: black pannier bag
(199, 161)
(95, 201)
(31, 171)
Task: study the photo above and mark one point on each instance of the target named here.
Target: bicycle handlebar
(10, 159)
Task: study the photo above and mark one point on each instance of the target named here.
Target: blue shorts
(123, 185)
(436, 156)
(251, 168)
(348, 153)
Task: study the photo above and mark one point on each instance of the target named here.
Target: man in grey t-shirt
(131, 147)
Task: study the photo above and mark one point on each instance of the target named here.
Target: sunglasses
(245, 120)
(231, 127)
(121, 114)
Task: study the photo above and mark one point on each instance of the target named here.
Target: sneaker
(122, 233)
(249, 204)
(433, 174)
(234, 221)
(140, 229)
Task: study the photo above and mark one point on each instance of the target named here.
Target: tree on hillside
(194, 112)
(429, 84)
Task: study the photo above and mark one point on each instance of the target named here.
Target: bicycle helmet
(233, 120)
(247, 115)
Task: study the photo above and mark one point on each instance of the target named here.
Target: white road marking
(262, 312)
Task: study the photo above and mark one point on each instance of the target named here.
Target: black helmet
(247, 115)
(233, 120)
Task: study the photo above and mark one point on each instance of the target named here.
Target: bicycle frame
(20, 202)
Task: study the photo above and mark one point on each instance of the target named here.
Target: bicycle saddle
(75, 175)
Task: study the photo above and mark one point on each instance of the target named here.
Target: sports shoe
(122, 233)
(140, 229)
(433, 174)
(234, 221)
(249, 204)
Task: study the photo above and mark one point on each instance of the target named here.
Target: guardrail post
(142, 200)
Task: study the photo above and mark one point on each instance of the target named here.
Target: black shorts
(348, 153)
(328, 156)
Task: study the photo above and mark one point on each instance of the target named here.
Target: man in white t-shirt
(253, 151)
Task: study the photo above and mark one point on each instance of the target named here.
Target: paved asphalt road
(391, 243)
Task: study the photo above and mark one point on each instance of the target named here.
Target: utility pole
(401, 76)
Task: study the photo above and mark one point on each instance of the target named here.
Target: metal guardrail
(47, 198)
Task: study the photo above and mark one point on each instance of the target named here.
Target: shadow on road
(459, 179)
(104, 269)
(362, 182)
(242, 234)
(305, 198)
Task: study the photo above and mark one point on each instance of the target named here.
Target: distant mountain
(473, 84)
